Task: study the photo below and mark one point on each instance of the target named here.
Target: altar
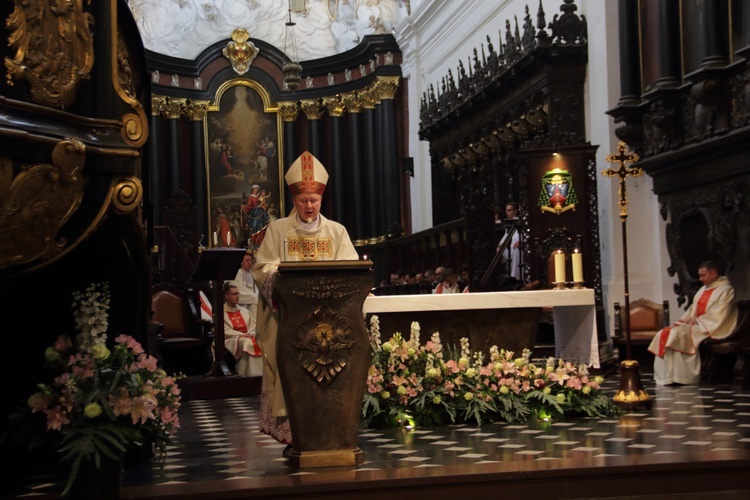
(507, 319)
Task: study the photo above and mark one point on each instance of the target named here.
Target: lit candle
(577, 258)
(559, 266)
(229, 238)
(216, 239)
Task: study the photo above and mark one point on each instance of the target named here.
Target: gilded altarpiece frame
(244, 161)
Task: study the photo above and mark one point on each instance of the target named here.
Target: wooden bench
(183, 339)
(727, 360)
(646, 319)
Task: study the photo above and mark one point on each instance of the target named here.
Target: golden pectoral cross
(623, 158)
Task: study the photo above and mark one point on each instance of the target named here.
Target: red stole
(238, 322)
(700, 310)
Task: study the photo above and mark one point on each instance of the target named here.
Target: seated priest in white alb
(713, 314)
(239, 334)
(246, 285)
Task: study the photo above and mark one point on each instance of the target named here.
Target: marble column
(742, 17)
(371, 229)
(386, 88)
(172, 110)
(288, 112)
(196, 111)
(154, 185)
(662, 43)
(354, 103)
(707, 21)
(630, 61)
(338, 184)
(313, 109)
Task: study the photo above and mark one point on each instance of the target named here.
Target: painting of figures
(243, 167)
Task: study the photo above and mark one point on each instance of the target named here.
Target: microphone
(305, 226)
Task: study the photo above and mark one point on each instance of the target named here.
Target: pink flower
(574, 383)
(82, 366)
(56, 418)
(130, 343)
(452, 366)
(143, 409)
(122, 404)
(147, 362)
(63, 343)
(170, 417)
(38, 402)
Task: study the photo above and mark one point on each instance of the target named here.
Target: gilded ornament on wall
(54, 49)
(37, 202)
(240, 52)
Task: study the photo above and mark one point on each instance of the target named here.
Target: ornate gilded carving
(134, 131)
(334, 105)
(168, 107)
(370, 99)
(288, 111)
(54, 49)
(354, 102)
(240, 52)
(124, 70)
(37, 202)
(324, 350)
(385, 87)
(196, 110)
(127, 195)
(312, 108)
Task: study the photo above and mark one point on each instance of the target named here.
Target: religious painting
(243, 165)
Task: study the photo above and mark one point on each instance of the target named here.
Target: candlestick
(577, 258)
(559, 267)
(216, 239)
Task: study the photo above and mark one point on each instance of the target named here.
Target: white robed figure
(713, 314)
(305, 235)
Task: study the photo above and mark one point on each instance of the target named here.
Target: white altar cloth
(573, 312)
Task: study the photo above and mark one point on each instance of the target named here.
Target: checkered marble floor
(219, 440)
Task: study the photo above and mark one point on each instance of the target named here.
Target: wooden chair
(183, 339)
(727, 360)
(646, 319)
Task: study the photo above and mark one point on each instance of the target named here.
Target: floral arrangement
(105, 400)
(411, 384)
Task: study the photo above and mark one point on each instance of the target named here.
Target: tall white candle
(229, 238)
(559, 267)
(216, 239)
(577, 258)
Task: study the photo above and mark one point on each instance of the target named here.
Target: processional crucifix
(631, 393)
